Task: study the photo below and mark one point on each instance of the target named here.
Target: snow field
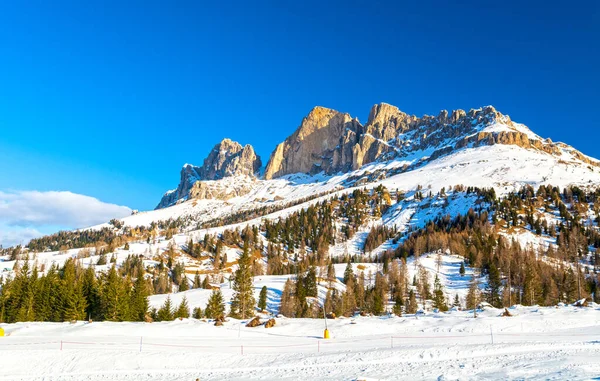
(536, 343)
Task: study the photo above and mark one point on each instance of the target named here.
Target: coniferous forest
(298, 244)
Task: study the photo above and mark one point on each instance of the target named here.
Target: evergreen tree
(462, 268)
(348, 273)
(310, 282)
(197, 313)
(439, 301)
(113, 297)
(72, 299)
(197, 282)
(90, 292)
(456, 301)
(494, 286)
(242, 303)
(398, 303)
(206, 284)
(183, 311)
(262, 299)
(473, 294)
(139, 299)
(215, 307)
(184, 284)
(165, 312)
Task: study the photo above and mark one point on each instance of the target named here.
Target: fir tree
(113, 297)
(197, 282)
(348, 273)
(262, 299)
(439, 301)
(165, 312)
(183, 311)
(184, 284)
(493, 287)
(139, 299)
(398, 303)
(215, 307)
(206, 284)
(462, 268)
(242, 303)
(197, 313)
(473, 294)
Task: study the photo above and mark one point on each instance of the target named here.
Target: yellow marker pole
(326, 333)
(1, 332)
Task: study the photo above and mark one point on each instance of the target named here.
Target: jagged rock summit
(227, 158)
(331, 142)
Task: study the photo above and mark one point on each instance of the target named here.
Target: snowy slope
(536, 343)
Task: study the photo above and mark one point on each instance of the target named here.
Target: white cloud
(27, 212)
(11, 236)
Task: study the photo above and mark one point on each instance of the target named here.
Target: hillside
(471, 188)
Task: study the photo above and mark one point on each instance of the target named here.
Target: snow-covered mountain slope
(504, 167)
(537, 343)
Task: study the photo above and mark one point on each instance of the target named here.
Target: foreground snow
(536, 343)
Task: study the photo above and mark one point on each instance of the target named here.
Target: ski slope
(536, 343)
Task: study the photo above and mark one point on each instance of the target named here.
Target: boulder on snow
(219, 321)
(270, 323)
(331, 315)
(581, 303)
(506, 313)
(254, 322)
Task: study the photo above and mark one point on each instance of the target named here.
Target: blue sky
(109, 99)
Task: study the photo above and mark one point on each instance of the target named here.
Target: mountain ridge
(329, 141)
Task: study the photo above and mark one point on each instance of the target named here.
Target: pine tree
(197, 282)
(462, 268)
(90, 293)
(206, 284)
(184, 284)
(348, 273)
(139, 299)
(439, 301)
(473, 294)
(262, 299)
(183, 311)
(398, 303)
(197, 313)
(330, 273)
(215, 307)
(242, 303)
(456, 301)
(310, 282)
(165, 312)
(493, 287)
(113, 297)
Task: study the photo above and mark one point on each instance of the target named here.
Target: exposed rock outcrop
(330, 141)
(312, 147)
(228, 158)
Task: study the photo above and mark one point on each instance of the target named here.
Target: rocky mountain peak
(312, 146)
(230, 158)
(227, 158)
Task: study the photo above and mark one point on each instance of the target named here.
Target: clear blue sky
(110, 99)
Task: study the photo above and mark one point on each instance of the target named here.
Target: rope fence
(248, 346)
